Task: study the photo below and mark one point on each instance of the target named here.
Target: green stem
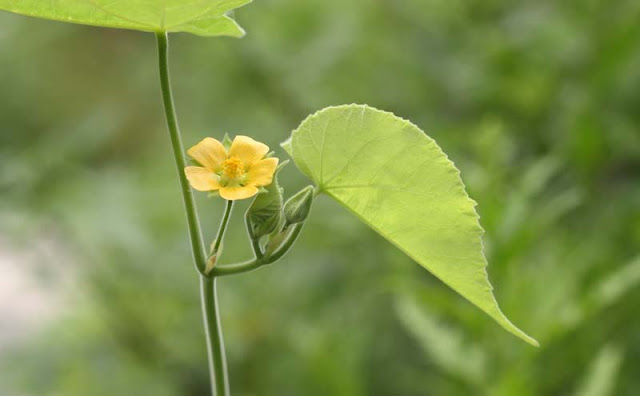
(215, 342)
(223, 227)
(255, 242)
(258, 262)
(215, 346)
(195, 233)
(286, 246)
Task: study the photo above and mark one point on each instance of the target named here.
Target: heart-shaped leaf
(201, 17)
(398, 181)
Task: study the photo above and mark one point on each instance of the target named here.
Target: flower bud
(297, 208)
(265, 213)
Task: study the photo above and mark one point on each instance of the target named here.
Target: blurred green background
(537, 102)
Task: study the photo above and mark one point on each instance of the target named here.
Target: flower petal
(247, 150)
(237, 192)
(261, 172)
(202, 179)
(210, 153)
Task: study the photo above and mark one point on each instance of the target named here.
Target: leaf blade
(398, 181)
(202, 17)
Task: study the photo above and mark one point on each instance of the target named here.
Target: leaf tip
(503, 321)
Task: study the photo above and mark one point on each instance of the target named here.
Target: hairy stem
(217, 362)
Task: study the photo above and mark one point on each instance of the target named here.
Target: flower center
(233, 168)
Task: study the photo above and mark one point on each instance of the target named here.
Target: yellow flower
(235, 174)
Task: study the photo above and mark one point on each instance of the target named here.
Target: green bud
(297, 208)
(265, 213)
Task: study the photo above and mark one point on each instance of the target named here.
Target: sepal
(226, 141)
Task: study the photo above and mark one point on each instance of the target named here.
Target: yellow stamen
(233, 168)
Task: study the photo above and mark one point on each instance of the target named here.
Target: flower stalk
(257, 262)
(215, 250)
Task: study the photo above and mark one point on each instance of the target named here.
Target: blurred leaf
(204, 18)
(600, 379)
(444, 344)
(398, 181)
(615, 286)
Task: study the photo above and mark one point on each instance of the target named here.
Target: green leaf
(398, 181)
(201, 17)
(604, 369)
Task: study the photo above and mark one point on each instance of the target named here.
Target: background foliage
(535, 101)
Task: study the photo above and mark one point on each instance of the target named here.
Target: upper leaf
(201, 17)
(397, 180)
